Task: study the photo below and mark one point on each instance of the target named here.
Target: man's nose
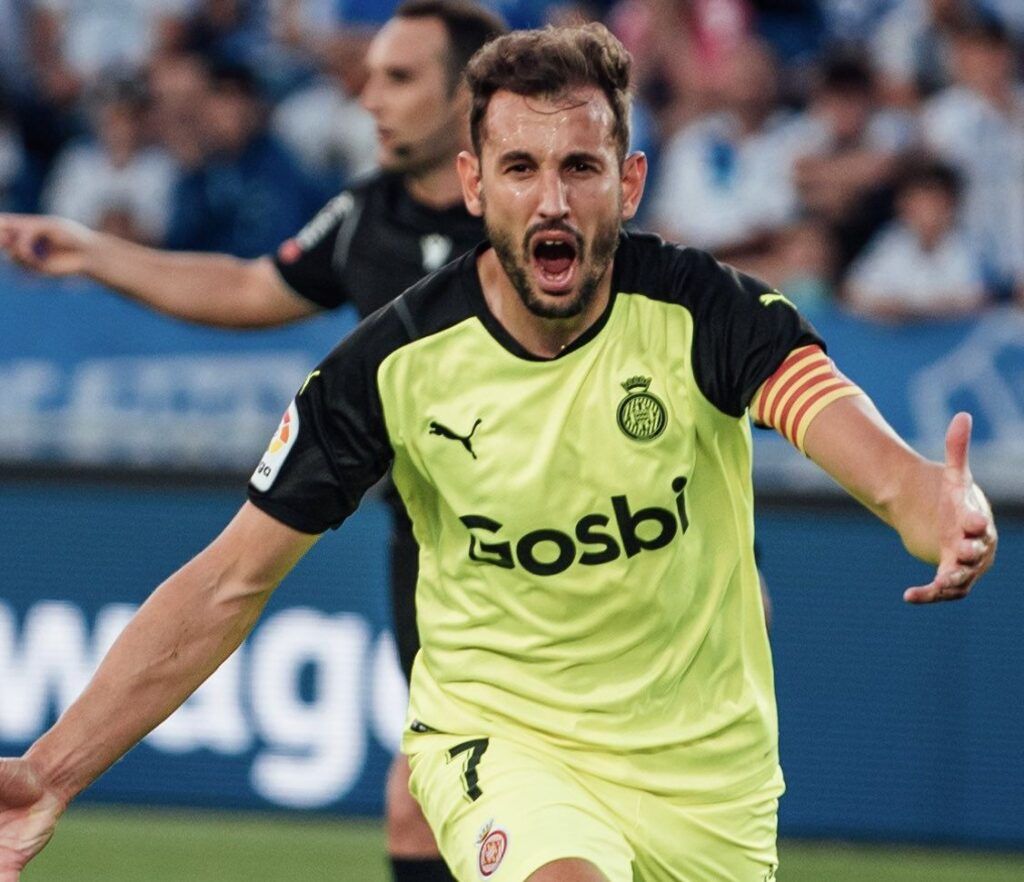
(554, 201)
(369, 97)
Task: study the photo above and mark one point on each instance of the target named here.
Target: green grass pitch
(142, 845)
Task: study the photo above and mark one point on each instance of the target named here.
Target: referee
(364, 247)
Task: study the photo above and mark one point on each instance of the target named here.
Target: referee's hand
(967, 532)
(50, 245)
(28, 815)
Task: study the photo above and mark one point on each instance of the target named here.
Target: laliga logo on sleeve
(493, 842)
(277, 451)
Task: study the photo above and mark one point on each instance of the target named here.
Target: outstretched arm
(939, 512)
(209, 289)
(179, 636)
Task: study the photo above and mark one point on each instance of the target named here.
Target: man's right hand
(50, 245)
(28, 814)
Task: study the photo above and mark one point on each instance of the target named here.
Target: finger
(922, 594)
(970, 551)
(976, 525)
(958, 441)
(947, 585)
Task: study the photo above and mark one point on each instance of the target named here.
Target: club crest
(641, 415)
(493, 843)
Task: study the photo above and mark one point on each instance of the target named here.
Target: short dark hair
(236, 77)
(847, 73)
(468, 25)
(981, 27)
(928, 172)
(552, 61)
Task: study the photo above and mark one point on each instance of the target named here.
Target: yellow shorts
(500, 811)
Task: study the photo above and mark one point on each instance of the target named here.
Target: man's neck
(436, 187)
(542, 337)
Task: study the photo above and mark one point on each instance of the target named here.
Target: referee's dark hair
(552, 61)
(469, 26)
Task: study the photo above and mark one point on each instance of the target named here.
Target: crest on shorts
(641, 415)
(493, 843)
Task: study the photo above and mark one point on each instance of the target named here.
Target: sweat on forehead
(577, 114)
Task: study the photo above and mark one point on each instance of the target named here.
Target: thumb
(958, 442)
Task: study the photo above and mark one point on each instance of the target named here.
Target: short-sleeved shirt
(587, 581)
(370, 243)
(895, 269)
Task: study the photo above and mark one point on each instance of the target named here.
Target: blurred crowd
(863, 151)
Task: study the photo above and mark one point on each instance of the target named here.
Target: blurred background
(865, 156)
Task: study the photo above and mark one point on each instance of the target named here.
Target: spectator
(324, 124)
(224, 31)
(725, 181)
(179, 86)
(248, 193)
(977, 125)
(681, 49)
(850, 153)
(84, 37)
(922, 265)
(801, 261)
(115, 182)
(807, 264)
(913, 48)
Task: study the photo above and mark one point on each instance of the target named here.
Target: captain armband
(803, 386)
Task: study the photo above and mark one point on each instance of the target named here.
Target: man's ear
(468, 165)
(634, 175)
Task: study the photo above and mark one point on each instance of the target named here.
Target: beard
(593, 261)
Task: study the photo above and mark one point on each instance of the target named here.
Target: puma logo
(775, 297)
(464, 440)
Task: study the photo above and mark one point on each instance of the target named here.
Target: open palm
(967, 533)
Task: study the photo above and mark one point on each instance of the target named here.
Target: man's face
(552, 194)
(420, 123)
(986, 66)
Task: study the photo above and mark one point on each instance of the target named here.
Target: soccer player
(566, 411)
(365, 247)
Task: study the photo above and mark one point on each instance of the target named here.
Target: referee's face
(421, 125)
(553, 196)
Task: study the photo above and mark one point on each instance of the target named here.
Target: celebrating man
(565, 411)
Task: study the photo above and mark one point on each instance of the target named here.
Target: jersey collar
(474, 293)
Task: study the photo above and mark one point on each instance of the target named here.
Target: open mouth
(555, 258)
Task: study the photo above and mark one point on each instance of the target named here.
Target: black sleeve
(743, 331)
(312, 263)
(332, 444)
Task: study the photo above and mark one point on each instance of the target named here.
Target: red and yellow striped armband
(803, 386)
